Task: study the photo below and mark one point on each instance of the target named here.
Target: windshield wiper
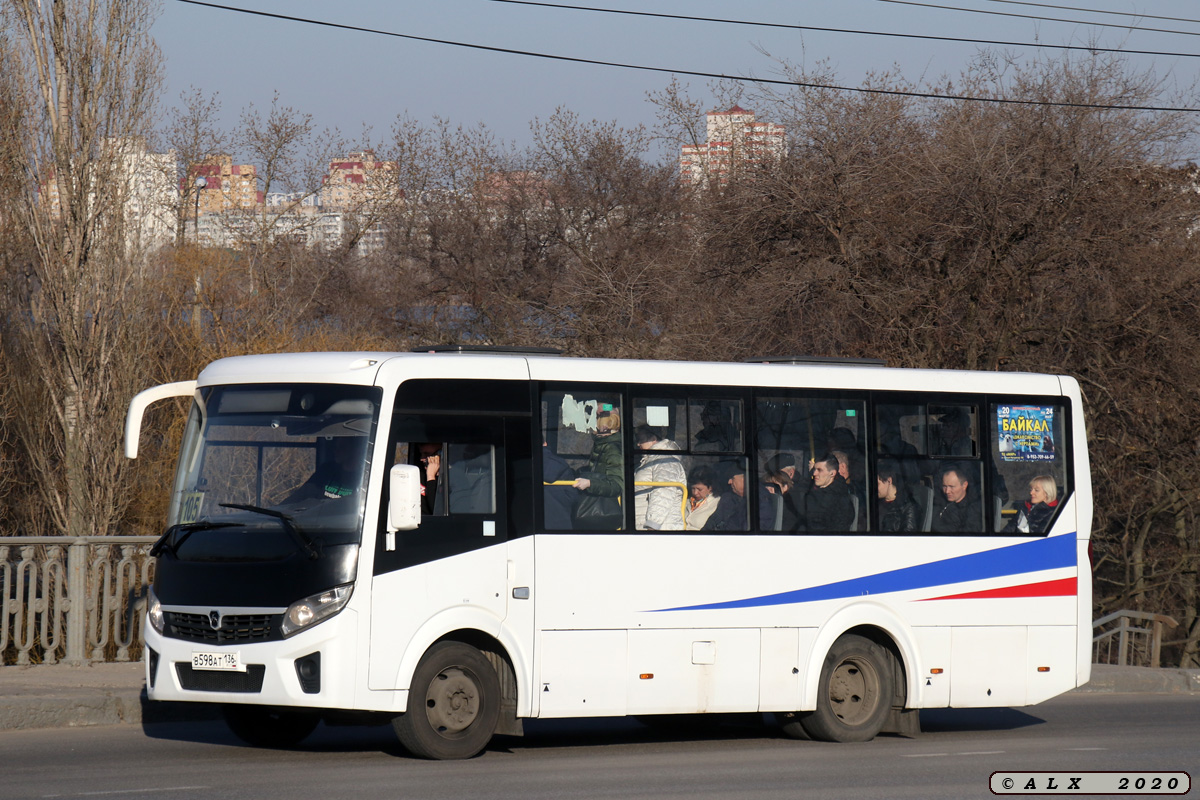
(289, 524)
(188, 528)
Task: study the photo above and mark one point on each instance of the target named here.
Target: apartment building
(734, 141)
(141, 183)
(223, 186)
(357, 180)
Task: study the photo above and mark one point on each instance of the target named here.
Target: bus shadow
(951, 720)
(582, 732)
(325, 739)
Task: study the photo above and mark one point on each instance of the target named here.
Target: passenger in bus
(954, 434)
(848, 471)
(962, 512)
(658, 508)
(338, 476)
(777, 510)
(704, 499)
(891, 443)
(717, 433)
(898, 511)
(827, 504)
(731, 512)
(429, 459)
(559, 500)
(1039, 510)
(603, 473)
(841, 439)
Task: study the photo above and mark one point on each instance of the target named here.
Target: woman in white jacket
(658, 508)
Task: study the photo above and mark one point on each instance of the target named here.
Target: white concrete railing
(1135, 636)
(73, 600)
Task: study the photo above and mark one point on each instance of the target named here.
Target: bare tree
(86, 78)
(193, 137)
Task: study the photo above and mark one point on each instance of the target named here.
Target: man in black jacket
(827, 505)
(962, 512)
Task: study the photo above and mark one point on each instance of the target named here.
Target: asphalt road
(600, 759)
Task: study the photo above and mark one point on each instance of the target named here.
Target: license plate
(226, 662)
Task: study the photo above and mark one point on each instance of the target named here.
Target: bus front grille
(235, 628)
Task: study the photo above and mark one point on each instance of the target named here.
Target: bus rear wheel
(453, 704)
(854, 694)
(269, 727)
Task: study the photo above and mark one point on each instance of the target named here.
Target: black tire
(789, 723)
(453, 704)
(270, 727)
(854, 695)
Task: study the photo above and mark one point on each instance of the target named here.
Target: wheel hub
(452, 702)
(850, 693)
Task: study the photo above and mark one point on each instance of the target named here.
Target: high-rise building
(354, 181)
(142, 185)
(150, 195)
(735, 141)
(222, 185)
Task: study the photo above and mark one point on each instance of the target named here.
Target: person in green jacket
(603, 476)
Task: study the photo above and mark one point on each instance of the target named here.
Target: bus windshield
(267, 469)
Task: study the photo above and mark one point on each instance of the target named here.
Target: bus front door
(452, 571)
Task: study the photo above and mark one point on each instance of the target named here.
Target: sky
(349, 79)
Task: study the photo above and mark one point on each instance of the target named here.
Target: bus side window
(660, 465)
(1029, 453)
(471, 478)
(716, 426)
(456, 478)
(797, 437)
(584, 429)
(952, 431)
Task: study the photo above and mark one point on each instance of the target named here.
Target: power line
(692, 73)
(1097, 11)
(788, 26)
(1043, 19)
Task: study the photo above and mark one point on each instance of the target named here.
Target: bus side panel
(1083, 511)
(517, 632)
(934, 645)
(692, 671)
(1051, 667)
(582, 673)
(983, 664)
(779, 671)
(412, 608)
(1083, 648)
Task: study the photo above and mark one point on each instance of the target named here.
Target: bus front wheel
(453, 704)
(854, 694)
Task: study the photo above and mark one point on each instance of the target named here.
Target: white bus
(459, 539)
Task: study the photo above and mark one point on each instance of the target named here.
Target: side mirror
(404, 505)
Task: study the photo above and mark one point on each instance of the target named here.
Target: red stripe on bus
(1065, 587)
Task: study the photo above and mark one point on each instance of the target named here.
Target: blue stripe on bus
(1034, 556)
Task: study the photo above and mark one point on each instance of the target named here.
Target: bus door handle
(521, 593)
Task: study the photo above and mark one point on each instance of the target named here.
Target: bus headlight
(154, 611)
(311, 610)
